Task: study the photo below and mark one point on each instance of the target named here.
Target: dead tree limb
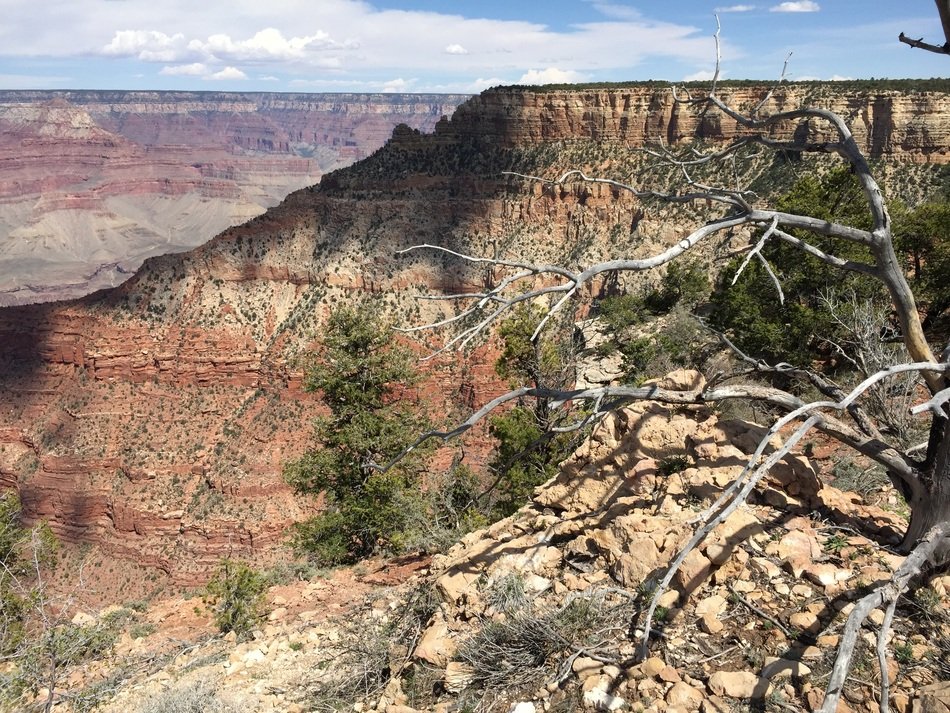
(925, 483)
(943, 9)
(888, 593)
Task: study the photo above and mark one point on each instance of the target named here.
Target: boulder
(783, 668)
(693, 572)
(738, 684)
(457, 676)
(435, 645)
(934, 698)
(685, 696)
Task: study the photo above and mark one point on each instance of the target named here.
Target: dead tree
(925, 481)
(943, 8)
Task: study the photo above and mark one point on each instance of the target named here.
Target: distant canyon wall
(909, 125)
(94, 182)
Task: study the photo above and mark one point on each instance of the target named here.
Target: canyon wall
(152, 420)
(94, 182)
(911, 125)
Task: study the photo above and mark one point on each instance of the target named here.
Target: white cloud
(227, 73)
(481, 84)
(398, 86)
(354, 36)
(147, 45)
(200, 69)
(551, 75)
(796, 6)
(736, 8)
(815, 78)
(342, 39)
(700, 76)
(268, 78)
(195, 69)
(268, 44)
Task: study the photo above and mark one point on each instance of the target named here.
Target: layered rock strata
(92, 183)
(152, 420)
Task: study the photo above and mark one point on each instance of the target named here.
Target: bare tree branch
(920, 44)
(913, 565)
(757, 130)
(882, 654)
(852, 265)
(757, 252)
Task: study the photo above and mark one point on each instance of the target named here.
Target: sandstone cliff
(152, 420)
(912, 125)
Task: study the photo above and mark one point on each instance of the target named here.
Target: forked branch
(886, 594)
(943, 9)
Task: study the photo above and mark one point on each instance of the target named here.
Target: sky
(458, 46)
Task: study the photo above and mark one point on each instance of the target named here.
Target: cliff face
(912, 126)
(92, 183)
(152, 419)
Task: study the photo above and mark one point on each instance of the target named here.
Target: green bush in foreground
(236, 596)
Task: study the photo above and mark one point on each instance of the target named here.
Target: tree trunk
(932, 505)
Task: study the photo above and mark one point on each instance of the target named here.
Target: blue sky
(441, 46)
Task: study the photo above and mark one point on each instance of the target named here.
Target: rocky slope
(92, 183)
(533, 614)
(152, 420)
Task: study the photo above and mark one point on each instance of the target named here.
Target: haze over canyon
(94, 182)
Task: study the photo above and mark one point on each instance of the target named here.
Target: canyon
(94, 182)
(151, 421)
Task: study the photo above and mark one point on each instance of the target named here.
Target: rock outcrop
(911, 124)
(535, 612)
(749, 615)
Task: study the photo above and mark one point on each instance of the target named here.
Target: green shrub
(44, 659)
(923, 236)
(235, 594)
(359, 371)
(21, 551)
(799, 330)
(450, 506)
(529, 448)
(685, 284)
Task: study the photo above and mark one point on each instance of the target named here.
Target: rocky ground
(539, 611)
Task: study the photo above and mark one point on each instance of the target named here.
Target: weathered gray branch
(943, 9)
(913, 565)
(920, 44)
(881, 264)
(738, 492)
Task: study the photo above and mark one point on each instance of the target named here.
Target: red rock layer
(153, 420)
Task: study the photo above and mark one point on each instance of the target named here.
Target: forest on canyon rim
(836, 341)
